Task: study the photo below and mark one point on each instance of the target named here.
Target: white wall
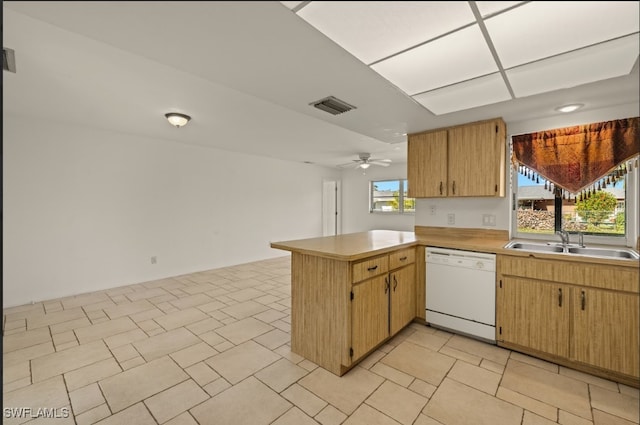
(86, 209)
(355, 201)
(468, 211)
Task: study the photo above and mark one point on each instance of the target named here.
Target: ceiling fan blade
(381, 162)
(354, 164)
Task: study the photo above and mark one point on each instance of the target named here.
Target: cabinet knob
(440, 188)
(560, 297)
(453, 187)
(583, 299)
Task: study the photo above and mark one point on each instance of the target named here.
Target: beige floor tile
(146, 294)
(479, 348)
(270, 315)
(98, 307)
(242, 361)
(245, 294)
(603, 418)
(191, 301)
(454, 403)
(59, 416)
(492, 366)
(305, 400)
(294, 416)
(183, 419)
(422, 388)
(86, 398)
(420, 362)
(105, 329)
(180, 318)
(461, 355)
(125, 338)
(397, 402)
(84, 300)
(194, 354)
(551, 388)
(64, 337)
(212, 338)
(630, 391)
(425, 420)
(46, 394)
(134, 385)
(94, 415)
(542, 364)
(137, 414)
(371, 359)
(146, 315)
(308, 364)
(273, 339)
(92, 373)
(25, 339)
(39, 321)
(45, 367)
(70, 325)
(204, 326)
(528, 403)
(131, 363)
(330, 416)
(17, 384)
(16, 324)
(165, 343)
(127, 308)
(66, 345)
(15, 372)
(149, 325)
(427, 339)
(124, 352)
(346, 392)
(243, 330)
(281, 374)
(392, 374)
(217, 386)
(224, 346)
(175, 400)
(589, 379)
(566, 418)
(530, 418)
(202, 373)
(249, 402)
(366, 415)
(211, 306)
(616, 404)
(475, 377)
(244, 309)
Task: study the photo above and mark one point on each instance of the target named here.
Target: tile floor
(213, 348)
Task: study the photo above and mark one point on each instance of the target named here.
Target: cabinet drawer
(402, 258)
(368, 268)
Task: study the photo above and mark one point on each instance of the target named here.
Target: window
(390, 196)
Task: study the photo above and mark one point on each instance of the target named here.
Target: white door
(331, 208)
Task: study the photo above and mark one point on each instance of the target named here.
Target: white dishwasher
(461, 292)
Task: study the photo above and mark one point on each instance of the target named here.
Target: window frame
(632, 215)
(401, 197)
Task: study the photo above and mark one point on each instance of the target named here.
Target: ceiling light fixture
(177, 120)
(365, 165)
(569, 108)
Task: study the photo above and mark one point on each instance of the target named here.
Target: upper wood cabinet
(466, 160)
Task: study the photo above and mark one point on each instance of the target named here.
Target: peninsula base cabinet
(583, 316)
(343, 310)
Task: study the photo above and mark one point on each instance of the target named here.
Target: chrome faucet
(581, 239)
(564, 236)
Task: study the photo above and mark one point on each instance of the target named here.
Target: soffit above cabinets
(453, 56)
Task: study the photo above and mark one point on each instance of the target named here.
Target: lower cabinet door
(605, 330)
(534, 314)
(403, 297)
(369, 315)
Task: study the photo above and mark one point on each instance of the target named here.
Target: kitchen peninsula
(350, 293)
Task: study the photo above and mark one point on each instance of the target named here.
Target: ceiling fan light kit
(365, 162)
(176, 119)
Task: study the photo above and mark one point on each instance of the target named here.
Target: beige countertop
(351, 246)
(356, 246)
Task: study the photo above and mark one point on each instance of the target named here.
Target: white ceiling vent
(332, 105)
(8, 60)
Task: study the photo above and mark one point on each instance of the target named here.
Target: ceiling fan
(365, 162)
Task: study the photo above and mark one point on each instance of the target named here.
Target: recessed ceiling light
(569, 108)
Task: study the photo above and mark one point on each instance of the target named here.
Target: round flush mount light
(176, 119)
(569, 108)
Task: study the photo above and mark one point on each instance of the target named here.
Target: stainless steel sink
(604, 252)
(527, 246)
(621, 253)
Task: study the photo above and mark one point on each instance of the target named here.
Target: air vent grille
(8, 60)
(332, 105)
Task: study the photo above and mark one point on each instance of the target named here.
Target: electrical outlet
(154, 259)
(432, 210)
(488, 220)
(451, 218)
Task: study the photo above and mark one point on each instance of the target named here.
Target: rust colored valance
(574, 158)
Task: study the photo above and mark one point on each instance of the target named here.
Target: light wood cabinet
(403, 297)
(585, 316)
(466, 160)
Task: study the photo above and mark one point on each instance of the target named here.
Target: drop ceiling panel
(460, 56)
(487, 8)
(469, 94)
(600, 62)
(374, 30)
(537, 30)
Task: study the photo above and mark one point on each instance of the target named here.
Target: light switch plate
(451, 218)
